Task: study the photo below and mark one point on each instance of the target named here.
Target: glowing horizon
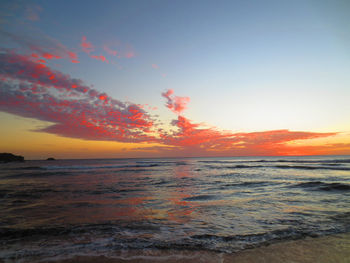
(101, 96)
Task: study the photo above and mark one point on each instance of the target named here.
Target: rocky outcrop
(50, 159)
(9, 157)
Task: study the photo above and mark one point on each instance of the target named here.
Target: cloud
(76, 110)
(155, 66)
(50, 56)
(102, 58)
(175, 103)
(30, 88)
(129, 54)
(196, 139)
(86, 46)
(109, 50)
(128, 51)
(26, 69)
(47, 48)
(118, 49)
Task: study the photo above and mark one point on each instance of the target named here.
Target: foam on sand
(326, 249)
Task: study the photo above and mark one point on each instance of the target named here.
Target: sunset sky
(111, 79)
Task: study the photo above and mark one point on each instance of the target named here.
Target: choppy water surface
(95, 207)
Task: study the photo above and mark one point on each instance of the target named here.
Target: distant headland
(9, 157)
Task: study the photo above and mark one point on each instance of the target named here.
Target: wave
(247, 184)
(343, 217)
(36, 174)
(137, 170)
(181, 163)
(26, 168)
(279, 234)
(29, 194)
(251, 183)
(104, 228)
(330, 161)
(305, 167)
(318, 185)
(299, 167)
(120, 227)
(76, 167)
(200, 198)
(325, 161)
(104, 238)
(221, 161)
(156, 162)
(211, 242)
(239, 242)
(164, 162)
(239, 166)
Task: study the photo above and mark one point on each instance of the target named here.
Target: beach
(328, 249)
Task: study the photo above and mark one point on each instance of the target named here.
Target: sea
(54, 210)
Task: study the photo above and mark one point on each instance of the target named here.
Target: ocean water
(50, 210)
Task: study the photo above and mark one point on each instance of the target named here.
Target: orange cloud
(192, 138)
(195, 140)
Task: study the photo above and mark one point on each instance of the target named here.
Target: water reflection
(181, 210)
(170, 202)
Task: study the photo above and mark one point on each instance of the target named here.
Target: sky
(115, 79)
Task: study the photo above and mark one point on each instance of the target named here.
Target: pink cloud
(72, 55)
(32, 89)
(25, 68)
(102, 58)
(50, 56)
(200, 141)
(128, 51)
(77, 110)
(175, 103)
(129, 54)
(109, 50)
(119, 49)
(196, 139)
(86, 46)
(48, 48)
(155, 66)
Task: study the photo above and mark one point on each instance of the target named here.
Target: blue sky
(246, 65)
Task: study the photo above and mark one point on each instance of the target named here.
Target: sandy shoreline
(327, 249)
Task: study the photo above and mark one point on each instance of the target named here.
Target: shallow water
(95, 207)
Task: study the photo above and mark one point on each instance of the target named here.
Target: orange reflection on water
(182, 210)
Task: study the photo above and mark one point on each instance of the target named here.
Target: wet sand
(326, 249)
